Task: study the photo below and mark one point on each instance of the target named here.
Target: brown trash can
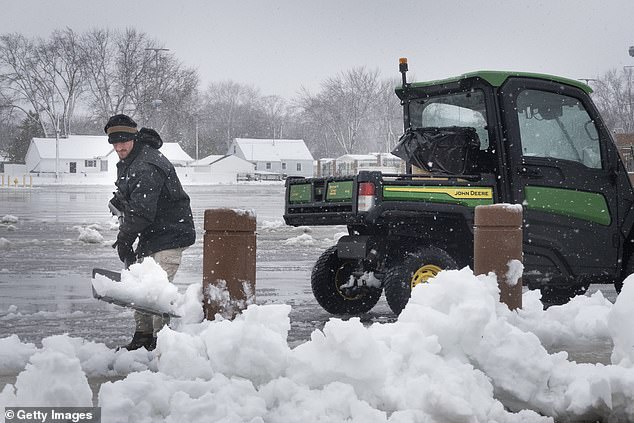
(228, 262)
(498, 240)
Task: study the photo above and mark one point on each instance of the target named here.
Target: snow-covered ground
(454, 354)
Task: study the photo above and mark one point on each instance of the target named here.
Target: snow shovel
(116, 276)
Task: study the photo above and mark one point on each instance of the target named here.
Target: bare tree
(61, 57)
(127, 74)
(118, 68)
(231, 111)
(343, 106)
(99, 56)
(20, 85)
(388, 115)
(274, 109)
(44, 76)
(612, 95)
(178, 114)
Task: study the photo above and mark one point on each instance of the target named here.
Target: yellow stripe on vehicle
(458, 193)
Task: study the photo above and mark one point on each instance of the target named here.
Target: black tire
(554, 294)
(328, 275)
(415, 269)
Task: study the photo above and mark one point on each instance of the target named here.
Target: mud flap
(116, 276)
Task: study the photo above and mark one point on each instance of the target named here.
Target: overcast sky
(281, 45)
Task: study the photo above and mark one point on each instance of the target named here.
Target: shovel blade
(116, 276)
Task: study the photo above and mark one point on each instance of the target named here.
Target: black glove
(124, 248)
(117, 203)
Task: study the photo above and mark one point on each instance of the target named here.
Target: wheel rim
(424, 273)
(342, 276)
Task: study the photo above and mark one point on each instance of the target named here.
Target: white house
(77, 154)
(86, 154)
(290, 157)
(215, 169)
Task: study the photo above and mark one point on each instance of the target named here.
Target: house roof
(273, 150)
(175, 153)
(206, 161)
(82, 147)
(371, 156)
(356, 157)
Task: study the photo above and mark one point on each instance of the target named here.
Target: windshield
(466, 109)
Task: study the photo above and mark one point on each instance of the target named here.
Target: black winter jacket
(156, 208)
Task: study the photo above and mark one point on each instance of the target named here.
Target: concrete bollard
(228, 262)
(497, 241)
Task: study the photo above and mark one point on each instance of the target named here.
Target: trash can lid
(235, 220)
(501, 214)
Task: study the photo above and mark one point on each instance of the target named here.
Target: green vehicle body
(543, 145)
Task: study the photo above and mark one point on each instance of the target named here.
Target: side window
(557, 126)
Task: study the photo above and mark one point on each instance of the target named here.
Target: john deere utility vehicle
(480, 138)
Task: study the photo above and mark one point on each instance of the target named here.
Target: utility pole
(156, 53)
(628, 70)
(196, 139)
(57, 148)
(156, 102)
(629, 79)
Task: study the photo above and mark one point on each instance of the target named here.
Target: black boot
(140, 340)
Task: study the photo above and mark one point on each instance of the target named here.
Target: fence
(16, 181)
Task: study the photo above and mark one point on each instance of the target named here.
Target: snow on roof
(86, 147)
(270, 149)
(370, 156)
(81, 147)
(357, 157)
(174, 152)
(206, 161)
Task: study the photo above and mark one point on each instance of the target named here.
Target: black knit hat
(120, 128)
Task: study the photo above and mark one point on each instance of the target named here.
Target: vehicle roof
(497, 78)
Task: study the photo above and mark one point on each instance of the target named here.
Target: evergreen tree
(28, 129)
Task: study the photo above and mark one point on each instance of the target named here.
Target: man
(154, 208)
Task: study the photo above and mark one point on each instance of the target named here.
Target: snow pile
(303, 240)
(454, 354)
(271, 225)
(620, 325)
(9, 219)
(146, 285)
(582, 321)
(14, 355)
(89, 235)
(53, 377)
